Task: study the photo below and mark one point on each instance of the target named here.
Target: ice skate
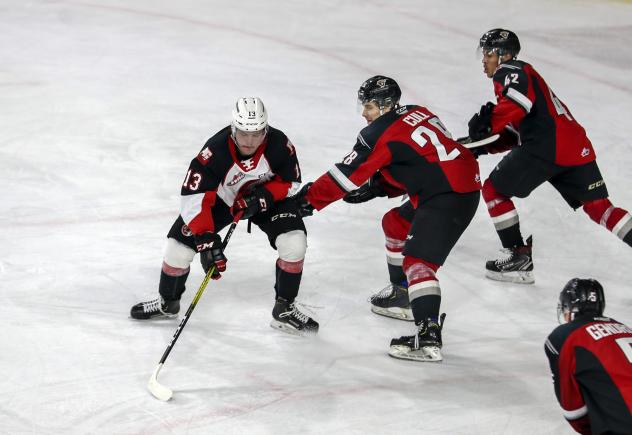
(288, 318)
(424, 346)
(515, 265)
(392, 301)
(155, 309)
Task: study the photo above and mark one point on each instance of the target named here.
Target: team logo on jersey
(206, 154)
(236, 179)
(585, 152)
(186, 231)
(477, 178)
(248, 164)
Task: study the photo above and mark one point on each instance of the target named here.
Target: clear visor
(560, 314)
(360, 106)
(480, 52)
(252, 133)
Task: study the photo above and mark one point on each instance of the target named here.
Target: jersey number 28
(443, 154)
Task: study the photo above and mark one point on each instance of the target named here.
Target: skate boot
(515, 265)
(288, 318)
(423, 346)
(155, 309)
(392, 301)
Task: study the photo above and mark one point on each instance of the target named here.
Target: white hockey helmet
(249, 114)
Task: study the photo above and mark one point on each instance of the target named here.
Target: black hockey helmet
(501, 42)
(383, 90)
(581, 296)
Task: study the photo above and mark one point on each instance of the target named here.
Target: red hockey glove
(258, 200)
(209, 246)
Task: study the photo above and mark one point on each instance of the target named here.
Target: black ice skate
(155, 309)
(423, 346)
(515, 265)
(288, 318)
(392, 301)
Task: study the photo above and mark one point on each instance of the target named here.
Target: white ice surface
(104, 103)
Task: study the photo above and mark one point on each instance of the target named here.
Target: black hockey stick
(158, 390)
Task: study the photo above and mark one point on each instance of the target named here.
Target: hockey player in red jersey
(549, 145)
(591, 362)
(406, 150)
(247, 167)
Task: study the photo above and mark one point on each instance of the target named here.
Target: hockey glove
(304, 207)
(209, 246)
(480, 126)
(369, 190)
(258, 200)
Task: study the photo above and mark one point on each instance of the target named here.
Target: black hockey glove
(369, 190)
(480, 126)
(209, 246)
(304, 207)
(258, 200)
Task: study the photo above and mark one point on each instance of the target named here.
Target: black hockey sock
(511, 237)
(172, 287)
(287, 284)
(396, 274)
(425, 307)
(628, 238)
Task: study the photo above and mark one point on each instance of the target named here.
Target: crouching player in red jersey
(591, 361)
(406, 150)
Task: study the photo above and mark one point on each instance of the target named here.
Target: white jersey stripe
(519, 98)
(575, 413)
(342, 179)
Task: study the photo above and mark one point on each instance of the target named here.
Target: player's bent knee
(489, 192)
(292, 245)
(178, 255)
(596, 209)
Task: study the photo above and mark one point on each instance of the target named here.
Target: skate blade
(515, 277)
(288, 329)
(425, 354)
(400, 314)
(159, 318)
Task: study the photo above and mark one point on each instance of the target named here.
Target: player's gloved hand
(304, 207)
(480, 126)
(479, 151)
(369, 190)
(257, 200)
(209, 246)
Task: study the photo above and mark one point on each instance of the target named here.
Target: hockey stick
(158, 390)
(468, 143)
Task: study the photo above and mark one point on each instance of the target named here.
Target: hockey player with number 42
(549, 145)
(250, 168)
(406, 150)
(591, 361)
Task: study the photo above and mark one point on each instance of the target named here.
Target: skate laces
(296, 313)
(385, 293)
(506, 255)
(151, 306)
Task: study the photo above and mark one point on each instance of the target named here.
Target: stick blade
(158, 390)
(468, 143)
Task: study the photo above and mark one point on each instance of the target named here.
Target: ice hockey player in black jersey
(546, 143)
(405, 149)
(591, 361)
(247, 167)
